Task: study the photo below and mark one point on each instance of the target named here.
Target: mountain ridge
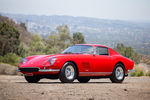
(99, 31)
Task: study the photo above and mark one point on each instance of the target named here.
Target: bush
(139, 71)
(1, 58)
(11, 59)
(9, 39)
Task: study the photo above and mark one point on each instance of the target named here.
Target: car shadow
(81, 83)
(70, 83)
(67, 83)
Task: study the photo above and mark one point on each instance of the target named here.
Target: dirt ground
(16, 88)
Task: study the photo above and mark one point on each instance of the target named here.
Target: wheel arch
(121, 63)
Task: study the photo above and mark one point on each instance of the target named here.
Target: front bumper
(49, 70)
(36, 69)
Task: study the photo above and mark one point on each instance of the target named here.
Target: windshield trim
(80, 52)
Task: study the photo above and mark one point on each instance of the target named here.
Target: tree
(36, 45)
(9, 39)
(23, 25)
(78, 38)
(63, 36)
(59, 40)
(52, 44)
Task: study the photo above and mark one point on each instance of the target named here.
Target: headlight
(24, 60)
(52, 60)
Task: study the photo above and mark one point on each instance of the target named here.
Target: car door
(86, 58)
(85, 61)
(102, 61)
(86, 65)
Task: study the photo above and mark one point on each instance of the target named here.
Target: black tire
(32, 79)
(83, 79)
(118, 78)
(63, 77)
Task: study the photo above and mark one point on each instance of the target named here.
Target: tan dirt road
(16, 88)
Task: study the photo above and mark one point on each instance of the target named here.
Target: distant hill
(98, 31)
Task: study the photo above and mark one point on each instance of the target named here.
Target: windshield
(79, 49)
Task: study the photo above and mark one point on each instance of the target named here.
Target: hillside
(25, 36)
(99, 31)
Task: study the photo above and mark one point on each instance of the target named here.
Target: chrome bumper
(43, 70)
(49, 70)
(132, 70)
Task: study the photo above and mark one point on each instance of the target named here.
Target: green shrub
(11, 59)
(9, 39)
(133, 73)
(139, 71)
(1, 58)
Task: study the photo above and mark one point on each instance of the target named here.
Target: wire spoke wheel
(119, 73)
(69, 72)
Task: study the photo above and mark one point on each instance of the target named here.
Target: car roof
(94, 45)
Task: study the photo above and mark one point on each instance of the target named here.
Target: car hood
(38, 60)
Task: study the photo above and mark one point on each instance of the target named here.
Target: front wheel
(68, 73)
(118, 74)
(32, 79)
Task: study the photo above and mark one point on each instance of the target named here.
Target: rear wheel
(118, 74)
(68, 73)
(83, 79)
(32, 79)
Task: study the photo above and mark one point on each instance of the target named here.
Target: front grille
(29, 69)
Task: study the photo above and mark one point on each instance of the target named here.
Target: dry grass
(140, 70)
(145, 59)
(7, 69)
(148, 73)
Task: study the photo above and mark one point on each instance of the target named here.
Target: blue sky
(136, 10)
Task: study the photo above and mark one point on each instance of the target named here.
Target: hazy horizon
(130, 10)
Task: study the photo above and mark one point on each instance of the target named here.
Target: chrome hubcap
(119, 73)
(69, 72)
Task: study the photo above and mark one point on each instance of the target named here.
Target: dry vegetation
(141, 69)
(7, 69)
(145, 59)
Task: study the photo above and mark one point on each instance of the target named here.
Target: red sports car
(82, 62)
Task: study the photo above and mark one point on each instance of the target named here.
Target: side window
(102, 51)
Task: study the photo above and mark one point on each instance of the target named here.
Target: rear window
(101, 51)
